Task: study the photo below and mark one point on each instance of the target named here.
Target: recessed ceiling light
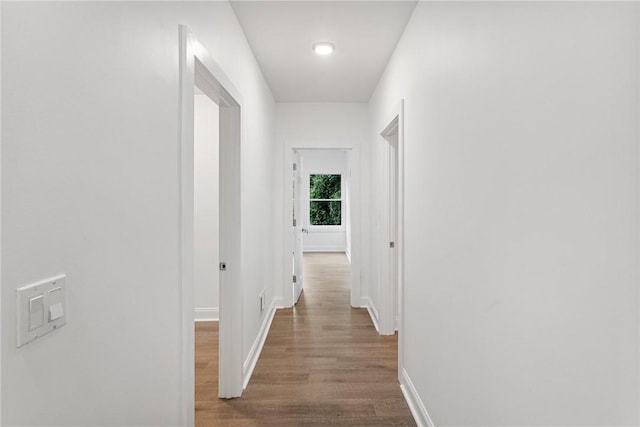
(323, 48)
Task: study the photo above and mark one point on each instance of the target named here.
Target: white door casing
(298, 227)
(387, 244)
(198, 68)
(393, 227)
(392, 221)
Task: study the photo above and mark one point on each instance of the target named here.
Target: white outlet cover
(52, 292)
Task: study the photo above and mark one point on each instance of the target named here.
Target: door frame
(298, 228)
(355, 206)
(389, 264)
(394, 122)
(1, 287)
(196, 66)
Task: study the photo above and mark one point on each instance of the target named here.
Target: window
(325, 200)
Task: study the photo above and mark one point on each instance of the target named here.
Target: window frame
(326, 228)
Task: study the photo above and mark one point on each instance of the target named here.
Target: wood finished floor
(323, 364)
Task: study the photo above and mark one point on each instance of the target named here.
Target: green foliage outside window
(325, 200)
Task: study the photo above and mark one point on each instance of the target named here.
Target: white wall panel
(521, 215)
(90, 188)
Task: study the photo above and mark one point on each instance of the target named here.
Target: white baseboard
(416, 406)
(373, 312)
(256, 348)
(207, 315)
(316, 249)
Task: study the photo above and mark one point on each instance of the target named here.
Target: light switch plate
(46, 299)
(36, 312)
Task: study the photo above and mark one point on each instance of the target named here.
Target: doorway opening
(391, 271)
(197, 178)
(321, 214)
(389, 258)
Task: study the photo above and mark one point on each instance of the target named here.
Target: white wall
(335, 162)
(325, 126)
(521, 210)
(90, 188)
(206, 207)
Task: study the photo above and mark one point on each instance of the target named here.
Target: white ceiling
(281, 34)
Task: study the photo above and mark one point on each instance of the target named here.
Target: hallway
(323, 363)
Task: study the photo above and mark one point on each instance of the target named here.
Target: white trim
(400, 307)
(348, 254)
(258, 344)
(373, 311)
(206, 314)
(0, 230)
(197, 67)
(416, 406)
(298, 230)
(638, 160)
(318, 249)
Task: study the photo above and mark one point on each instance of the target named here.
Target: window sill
(326, 228)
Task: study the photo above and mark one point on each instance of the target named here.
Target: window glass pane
(325, 213)
(324, 187)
